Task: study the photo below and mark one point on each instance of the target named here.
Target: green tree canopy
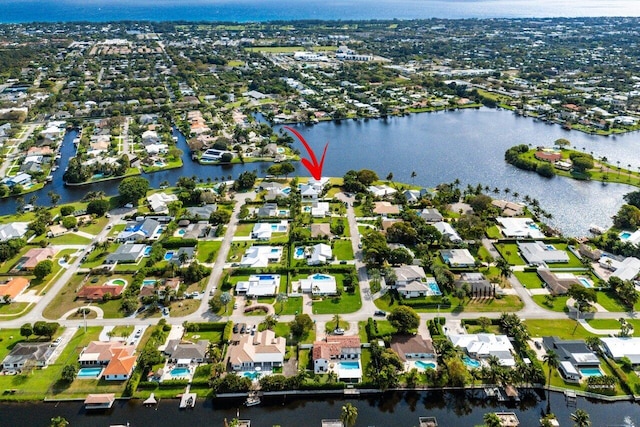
(404, 319)
(132, 189)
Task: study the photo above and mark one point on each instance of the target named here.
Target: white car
(338, 331)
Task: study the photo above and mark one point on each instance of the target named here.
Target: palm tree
(552, 360)
(336, 319)
(225, 298)
(390, 176)
(281, 298)
(504, 268)
(580, 418)
(349, 415)
(490, 419)
(183, 258)
(54, 197)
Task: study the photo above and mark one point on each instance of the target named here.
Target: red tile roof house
(12, 288)
(97, 293)
(117, 357)
(334, 348)
(34, 256)
(548, 157)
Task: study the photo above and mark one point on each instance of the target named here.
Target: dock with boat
(99, 401)
(427, 422)
(188, 400)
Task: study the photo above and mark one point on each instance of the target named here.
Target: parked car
(338, 331)
(380, 313)
(55, 342)
(236, 328)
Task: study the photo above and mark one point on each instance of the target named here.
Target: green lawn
(244, 230)
(493, 232)
(8, 264)
(293, 305)
(509, 251)
(608, 300)
(559, 303)
(96, 226)
(508, 303)
(346, 303)
(238, 249)
(574, 262)
(97, 257)
(563, 328)
(69, 239)
(529, 279)
(208, 250)
(342, 250)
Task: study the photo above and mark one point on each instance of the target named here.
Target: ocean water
(270, 10)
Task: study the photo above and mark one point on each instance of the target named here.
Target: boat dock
(99, 401)
(151, 400)
(188, 400)
(508, 419)
(427, 422)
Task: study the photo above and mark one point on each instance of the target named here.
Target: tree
(43, 268)
(348, 415)
(552, 360)
(582, 163)
(580, 418)
(281, 298)
(633, 198)
(562, 142)
(132, 189)
(583, 296)
(69, 222)
(215, 304)
(503, 267)
(26, 330)
(367, 177)
(245, 181)
(58, 422)
(490, 419)
(404, 319)
(45, 329)
(628, 217)
(484, 323)
(301, 325)
(69, 373)
(98, 207)
(225, 298)
(54, 197)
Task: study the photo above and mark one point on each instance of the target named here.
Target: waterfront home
(483, 346)
(33, 256)
(318, 284)
(412, 347)
(19, 179)
(508, 209)
(213, 155)
(447, 231)
(261, 256)
(411, 281)
(413, 196)
(627, 269)
(319, 254)
(263, 351)
(335, 348)
(573, 355)
(127, 253)
(558, 283)
(202, 212)
(548, 156)
(589, 252)
(519, 228)
(158, 202)
(619, 347)
(186, 352)
(99, 353)
(36, 354)
(458, 257)
(538, 253)
(98, 293)
(12, 287)
(431, 215)
(13, 230)
(381, 190)
(259, 285)
(145, 229)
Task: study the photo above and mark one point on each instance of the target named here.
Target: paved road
(16, 143)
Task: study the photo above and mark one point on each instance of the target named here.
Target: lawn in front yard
(509, 251)
(559, 303)
(562, 328)
(529, 279)
(342, 250)
(345, 303)
(293, 305)
(507, 303)
(208, 250)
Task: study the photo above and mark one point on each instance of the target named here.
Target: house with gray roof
(189, 251)
(411, 281)
(183, 351)
(268, 210)
(478, 284)
(539, 253)
(21, 353)
(448, 232)
(573, 355)
(141, 230)
(431, 215)
(127, 253)
(203, 212)
(13, 230)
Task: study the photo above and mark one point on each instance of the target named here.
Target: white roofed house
(13, 230)
(320, 254)
(458, 257)
(263, 350)
(262, 231)
(627, 269)
(259, 285)
(261, 256)
(541, 253)
(519, 228)
(482, 346)
(619, 347)
(158, 202)
(411, 281)
(318, 284)
(447, 231)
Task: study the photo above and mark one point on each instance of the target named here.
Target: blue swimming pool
(252, 375)
(148, 282)
(349, 365)
(89, 373)
(182, 232)
(283, 213)
(168, 256)
(147, 251)
(471, 363)
(434, 289)
(319, 276)
(180, 373)
(275, 250)
(299, 252)
(585, 282)
(264, 277)
(590, 372)
(425, 365)
(625, 235)
(286, 190)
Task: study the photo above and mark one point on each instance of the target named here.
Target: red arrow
(312, 166)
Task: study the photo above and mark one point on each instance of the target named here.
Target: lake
(439, 147)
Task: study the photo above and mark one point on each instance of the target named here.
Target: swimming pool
(182, 232)
(319, 276)
(286, 190)
(89, 373)
(590, 372)
(550, 247)
(585, 282)
(265, 277)
(434, 289)
(349, 365)
(118, 282)
(284, 213)
(471, 363)
(147, 251)
(252, 375)
(299, 253)
(180, 373)
(148, 282)
(275, 250)
(425, 365)
(624, 235)
(168, 256)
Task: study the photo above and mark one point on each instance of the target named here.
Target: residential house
(627, 269)
(268, 210)
(321, 230)
(411, 281)
(262, 231)
(447, 231)
(33, 256)
(259, 285)
(185, 352)
(333, 349)
(261, 256)
(478, 284)
(483, 346)
(37, 354)
(97, 293)
(413, 347)
(127, 253)
(202, 212)
(13, 230)
(13, 287)
(509, 209)
(318, 284)
(573, 355)
(548, 156)
(431, 215)
(619, 347)
(458, 257)
(381, 190)
(189, 251)
(589, 252)
(558, 283)
(263, 350)
(320, 254)
(158, 202)
(141, 230)
(385, 208)
(519, 228)
(19, 179)
(413, 196)
(539, 253)
(311, 191)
